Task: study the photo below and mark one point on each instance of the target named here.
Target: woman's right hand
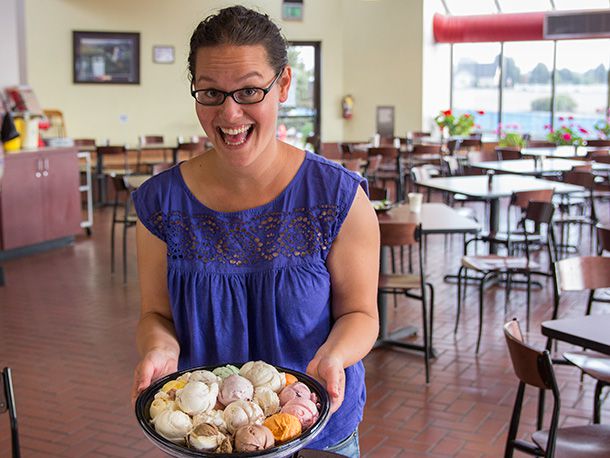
(154, 365)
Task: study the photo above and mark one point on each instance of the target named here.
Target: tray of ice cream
(236, 410)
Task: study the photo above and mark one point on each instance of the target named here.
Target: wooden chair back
(373, 164)
(601, 158)
(388, 153)
(474, 143)
(531, 366)
(378, 193)
(399, 234)
(364, 155)
(56, 121)
(111, 150)
(355, 165)
(84, 142)
(540, 212)
(346, 148)
(540, 144)
(598, 142)
(330, 150)
(420, 134)
(522, 199)
(578, 177)
(151, 140)
(582, 273)
(450, 166)
(426, 148)
(508, 153)
(603, 238)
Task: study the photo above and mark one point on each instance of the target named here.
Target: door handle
(45, 171)
(38, 173)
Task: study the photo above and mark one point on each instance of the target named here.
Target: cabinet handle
(38, 174)
(45, 172)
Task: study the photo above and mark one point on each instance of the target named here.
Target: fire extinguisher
(347, 105)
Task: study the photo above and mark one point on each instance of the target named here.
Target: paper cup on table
(415, 201)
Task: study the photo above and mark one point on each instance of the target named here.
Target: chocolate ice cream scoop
(205, 437)
(251, 438)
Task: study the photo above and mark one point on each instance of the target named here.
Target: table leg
(174, 156)
(494, 222)
(101, 179)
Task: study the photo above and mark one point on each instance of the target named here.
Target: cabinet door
(21, 201)
(61, 197)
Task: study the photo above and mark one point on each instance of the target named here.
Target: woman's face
(240, 133)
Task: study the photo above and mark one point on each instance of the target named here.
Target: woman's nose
(230, 109)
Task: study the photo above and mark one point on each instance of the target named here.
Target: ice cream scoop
(252, 438)
(267, 399)
(196, 397)
(174, 425)
(206, 377)
(225, 371)
(262, 374)
(302, 408)
(205, 437)
(213, 417)
(242, 413)
(284, 426)
(235, 387)
(290, 379)
(159, 405)
(296, 390)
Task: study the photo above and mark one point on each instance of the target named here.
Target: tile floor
(67, 331)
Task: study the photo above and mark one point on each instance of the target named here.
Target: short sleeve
(147, 203)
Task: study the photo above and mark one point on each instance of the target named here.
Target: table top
(502, 185)
(565, 152)
(532, 167)
(435, 218)
(587, 331)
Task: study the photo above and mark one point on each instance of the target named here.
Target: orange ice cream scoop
(284, 426)
(290, 379)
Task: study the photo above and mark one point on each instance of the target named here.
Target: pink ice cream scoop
(302, 408)
(295, 390)
(234, 388)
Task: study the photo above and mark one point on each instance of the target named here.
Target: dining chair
(56, 122)
(534, 368)
(189, 149)
(492, 266)
(378, 193)
(150, 141)
(7, 404)
(126, 217)
(598, 142)
(115, 162)
(390, 168)
(540, 144)
(603, 238)
(330, 150)
(400, 235)
(505, 153)
(581, 274)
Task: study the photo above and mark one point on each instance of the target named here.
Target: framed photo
(106, 57)
(385, 121)
(163, 54)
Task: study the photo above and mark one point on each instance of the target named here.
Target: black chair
(534, 367)
(7, 404)
(492, 266)
(399, 235)
(122, 198)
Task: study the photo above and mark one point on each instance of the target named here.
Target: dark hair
(237, 25)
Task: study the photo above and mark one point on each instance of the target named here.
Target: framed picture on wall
(385, 121)
(163, 54)
(106, 57)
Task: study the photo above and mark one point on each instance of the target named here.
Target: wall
(383, 63)
(161, 103)
(11, 23)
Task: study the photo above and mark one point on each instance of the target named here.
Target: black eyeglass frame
(231, 94)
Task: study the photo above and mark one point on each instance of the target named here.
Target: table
(135, 181)
(538, 167)
(435, 218)
(503, 185)
(561, 152)
(591, 331)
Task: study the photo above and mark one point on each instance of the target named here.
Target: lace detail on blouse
(210, 238)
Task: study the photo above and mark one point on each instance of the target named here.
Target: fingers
(331, 372)
(141, 379)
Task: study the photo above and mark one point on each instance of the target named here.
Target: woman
(256, 249)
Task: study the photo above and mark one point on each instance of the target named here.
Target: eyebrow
(245, 77)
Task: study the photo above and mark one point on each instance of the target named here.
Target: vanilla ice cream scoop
(295, 390)
(205, 437)
(267, 399)
(304, 409)
(262, 374)
(242, 413)
(196, 397)
(174, 425)
(252, 438)
(233, 388)
(206, 377)
(213, 417)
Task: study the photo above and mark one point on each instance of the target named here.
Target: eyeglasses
(243, 96)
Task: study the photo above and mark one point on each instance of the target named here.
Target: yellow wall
(372, 50)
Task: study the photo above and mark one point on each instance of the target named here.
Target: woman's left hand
(329, 369)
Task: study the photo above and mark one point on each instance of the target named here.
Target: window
(299, 116)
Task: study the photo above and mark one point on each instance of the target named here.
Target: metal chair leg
(7, 402)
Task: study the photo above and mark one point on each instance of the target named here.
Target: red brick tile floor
(67, 331)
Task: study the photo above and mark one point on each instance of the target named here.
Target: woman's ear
(284, 83)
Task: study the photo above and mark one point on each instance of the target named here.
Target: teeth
(230, 131)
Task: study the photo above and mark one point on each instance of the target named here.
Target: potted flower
(510, 137)
(567, 134)
(460, 125)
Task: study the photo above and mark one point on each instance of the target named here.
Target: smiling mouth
(236, 136)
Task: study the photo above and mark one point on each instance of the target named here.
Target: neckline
(258, 208)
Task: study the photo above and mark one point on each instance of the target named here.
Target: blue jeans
(347, 447)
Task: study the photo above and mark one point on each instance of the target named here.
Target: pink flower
(561, 118)
(447, 113)
(570, 118)
(481, 112)
(583, 130)
(567, 137)
(547, 126)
